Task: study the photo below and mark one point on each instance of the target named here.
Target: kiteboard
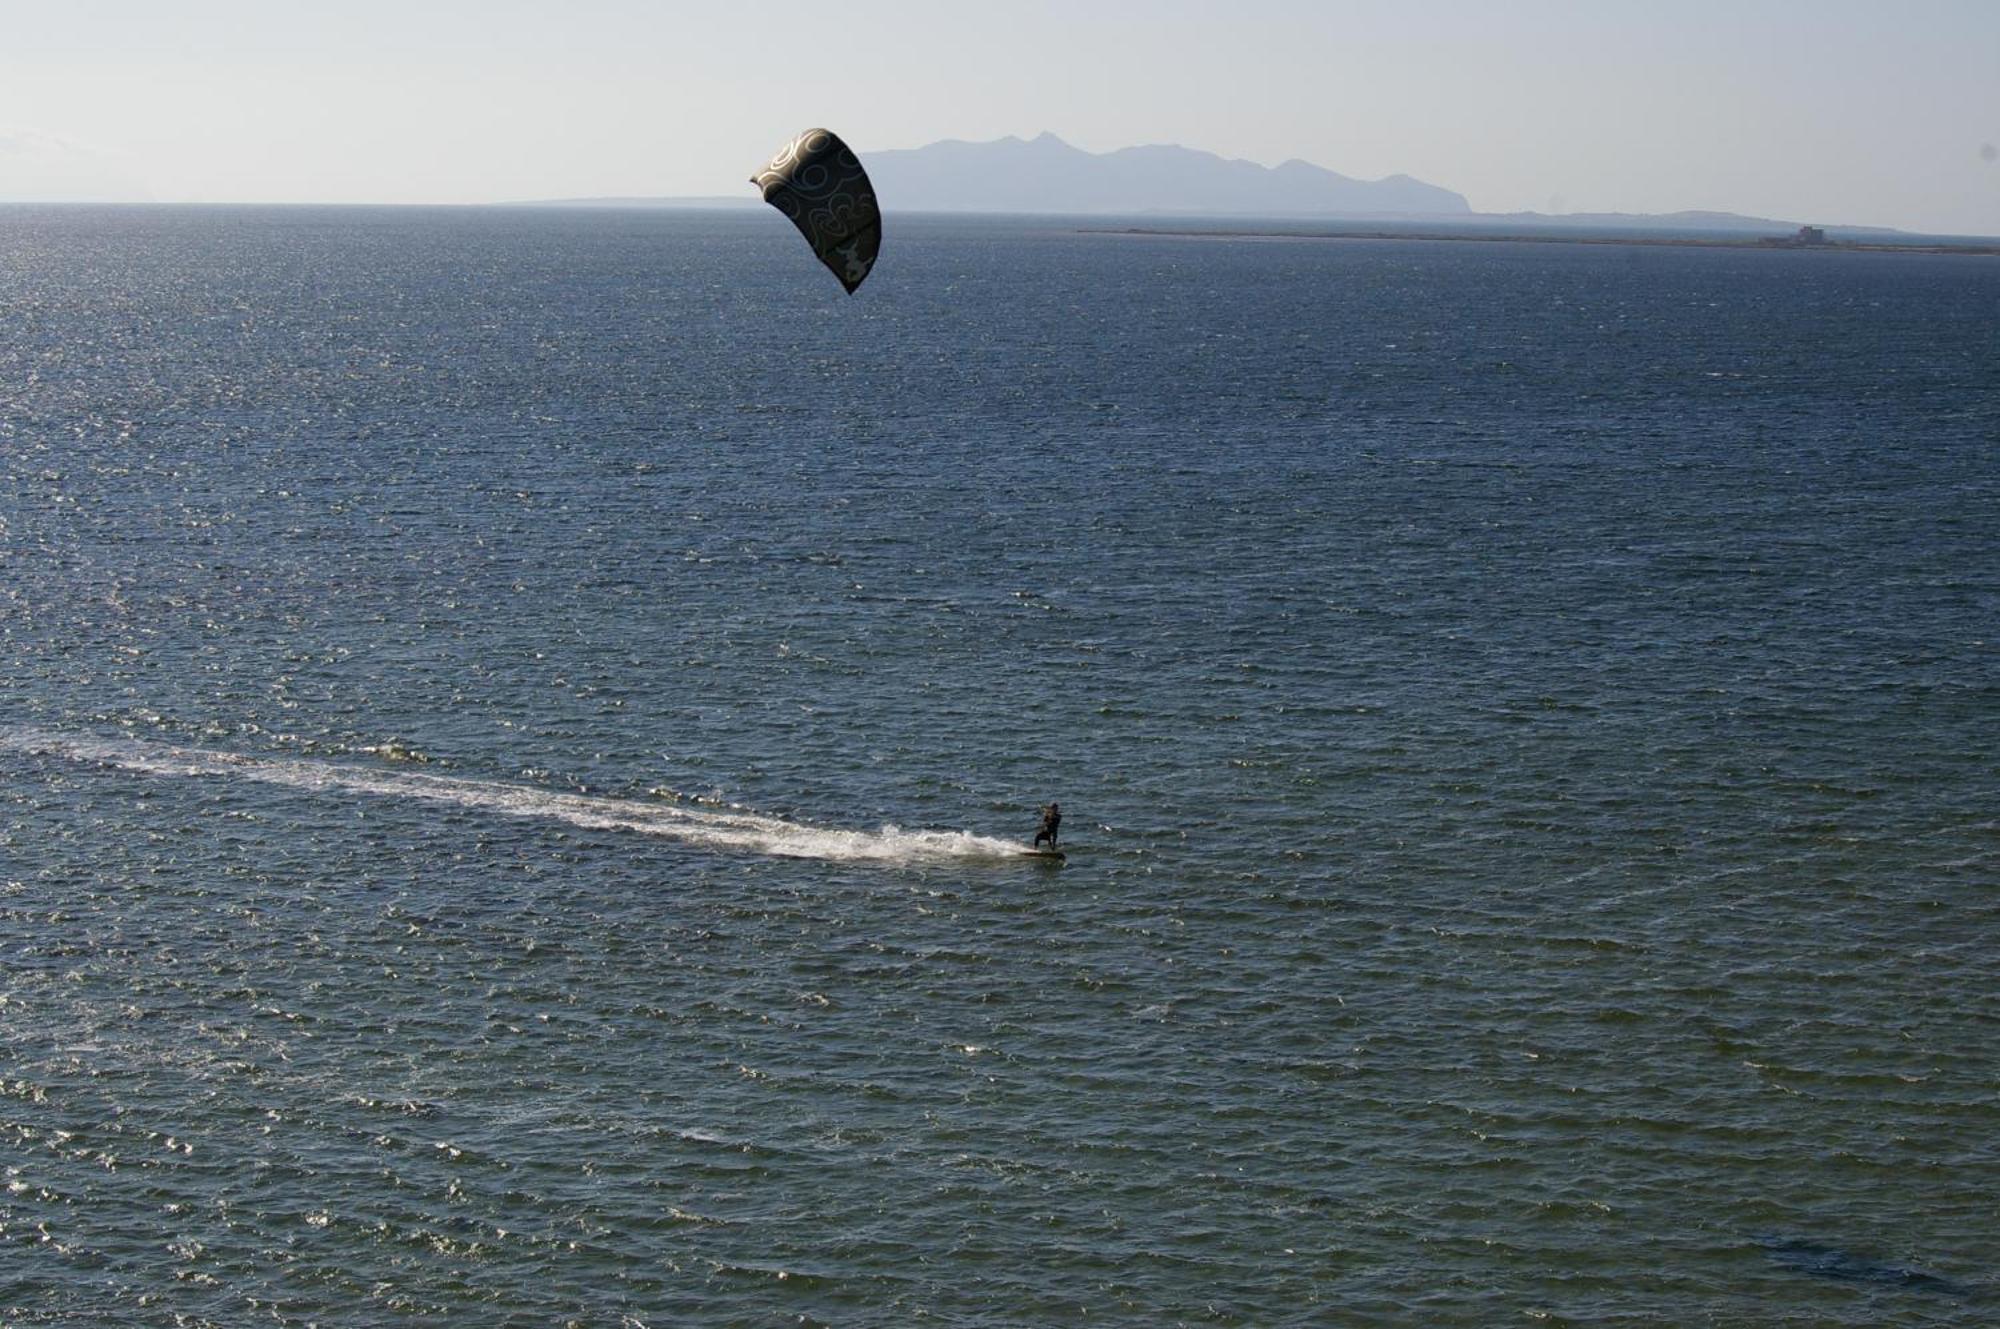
(1046, 855)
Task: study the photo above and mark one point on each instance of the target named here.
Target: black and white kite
(817, 181)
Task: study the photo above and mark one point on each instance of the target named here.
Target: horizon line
(728, 202)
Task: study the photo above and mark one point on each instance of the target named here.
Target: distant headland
(1492, 229)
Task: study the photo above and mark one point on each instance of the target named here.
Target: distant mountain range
(1048, 176)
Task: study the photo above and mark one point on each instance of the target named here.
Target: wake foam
(708, 829)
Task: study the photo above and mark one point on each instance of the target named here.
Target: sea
(517, 728)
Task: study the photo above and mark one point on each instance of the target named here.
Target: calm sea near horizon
(517, 724)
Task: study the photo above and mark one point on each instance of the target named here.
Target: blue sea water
(516, 724)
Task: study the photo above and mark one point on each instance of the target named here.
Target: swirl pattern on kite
(817, 181)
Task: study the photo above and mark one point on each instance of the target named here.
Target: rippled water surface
(515, 726)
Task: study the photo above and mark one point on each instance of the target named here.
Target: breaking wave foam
(706, 828)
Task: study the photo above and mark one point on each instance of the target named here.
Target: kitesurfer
(1051, 822)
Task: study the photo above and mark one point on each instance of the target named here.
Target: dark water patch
(1846, 1266)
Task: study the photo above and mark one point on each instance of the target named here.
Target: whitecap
(703, 827)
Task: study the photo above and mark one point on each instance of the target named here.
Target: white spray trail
(703, 827)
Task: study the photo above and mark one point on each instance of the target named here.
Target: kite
(817, 181)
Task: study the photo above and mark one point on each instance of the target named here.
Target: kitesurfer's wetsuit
(1051, 822)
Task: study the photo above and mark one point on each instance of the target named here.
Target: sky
(1835, 112)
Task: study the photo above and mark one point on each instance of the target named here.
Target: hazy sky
(1858, 111)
